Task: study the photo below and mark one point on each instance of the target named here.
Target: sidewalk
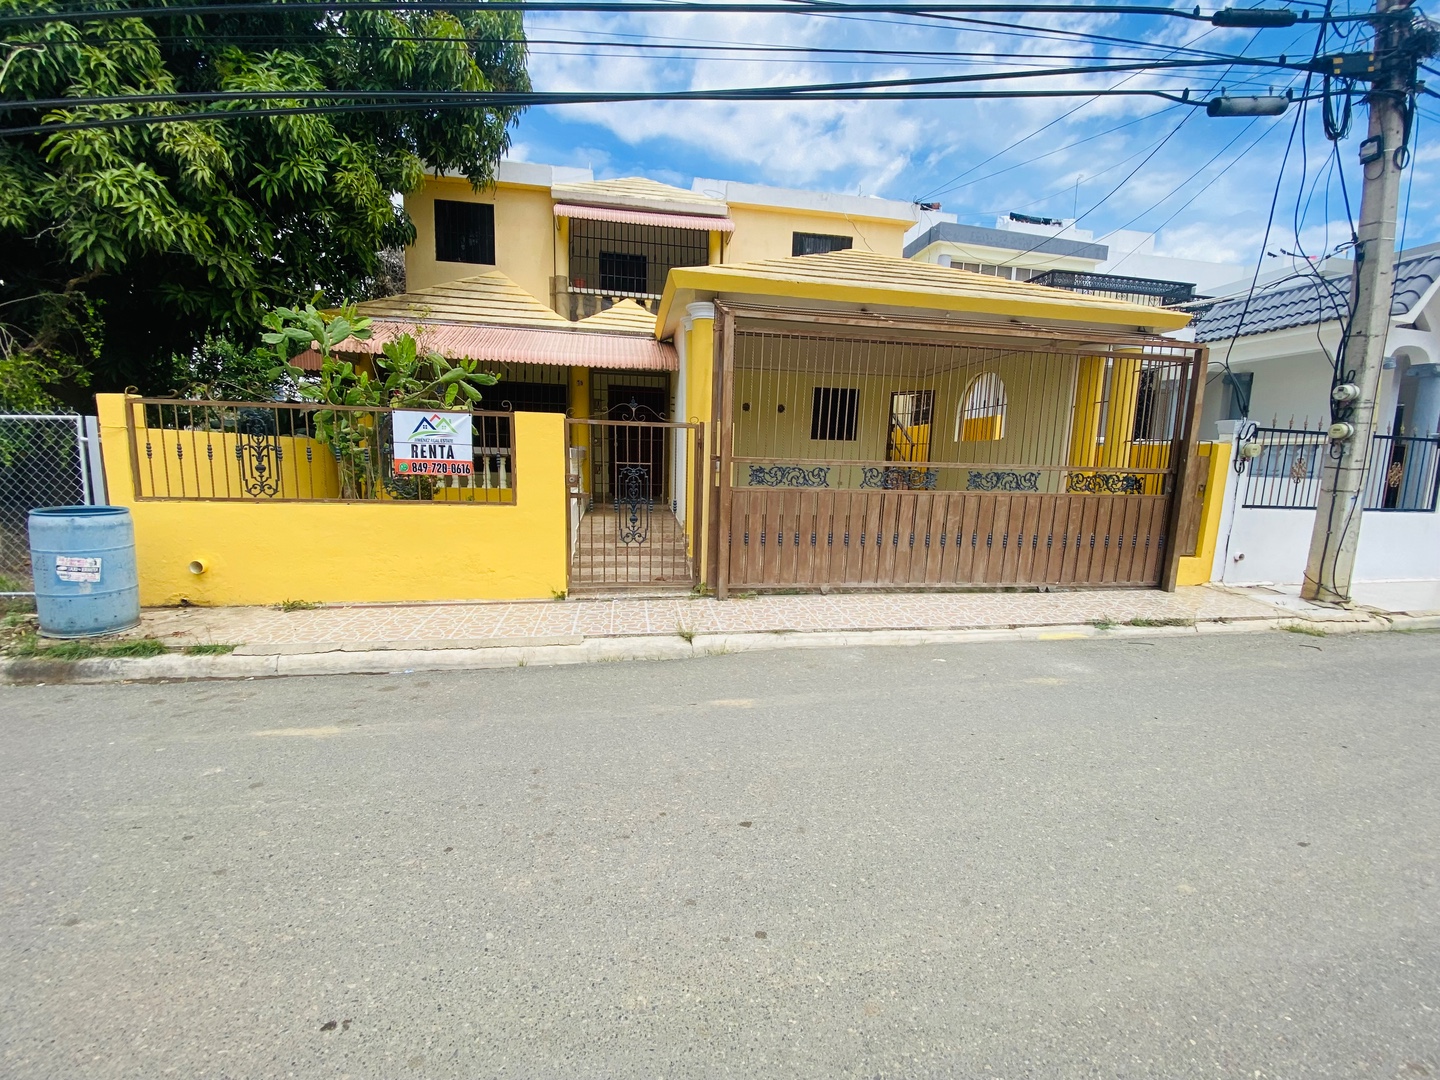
(377, 638)
(262, 631)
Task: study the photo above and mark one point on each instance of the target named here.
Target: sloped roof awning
(519, 345)
(866, 280)
(623, 216)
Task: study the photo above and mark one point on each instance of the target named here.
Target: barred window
(622, 272)
(832, 413)
(464, 232)
(981, 416)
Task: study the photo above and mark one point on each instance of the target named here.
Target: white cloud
(914, 149)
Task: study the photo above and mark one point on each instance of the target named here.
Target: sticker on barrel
(432, 443)
(77, 568)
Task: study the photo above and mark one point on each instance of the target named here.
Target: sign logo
(432, 443)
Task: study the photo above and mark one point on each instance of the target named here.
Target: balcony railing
(578, 302)
(1151, 292)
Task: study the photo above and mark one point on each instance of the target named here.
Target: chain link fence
(44, 461)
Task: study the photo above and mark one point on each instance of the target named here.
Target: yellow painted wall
(1036, 427)
(766, 232)
(268, 552)
(699, 398)
(1196, 569)
(527, 247)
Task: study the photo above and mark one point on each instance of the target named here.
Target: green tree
(123, 247)
(406, 375)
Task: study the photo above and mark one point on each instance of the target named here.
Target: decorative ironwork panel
(1000, 480)
(789, 476)
(898, 478)
(633, 503)
(1105, 484)
(257, 449)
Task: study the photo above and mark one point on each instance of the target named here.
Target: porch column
(680, 457)
(1427, 399)
(699, 402)
(1085, 422)
(580, 433)
(1120, 417)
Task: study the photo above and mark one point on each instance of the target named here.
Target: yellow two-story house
(580, 245)
(553, 278)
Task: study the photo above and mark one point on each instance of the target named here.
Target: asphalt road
(1214, 857)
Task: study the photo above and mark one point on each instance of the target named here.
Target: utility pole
(1342, 464)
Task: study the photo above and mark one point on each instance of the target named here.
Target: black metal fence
(285, 452)
(1404, 473)
(1284, 468)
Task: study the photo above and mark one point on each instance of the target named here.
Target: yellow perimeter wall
(1196, 569)
(259, 552)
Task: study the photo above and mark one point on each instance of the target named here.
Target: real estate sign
(432, 443)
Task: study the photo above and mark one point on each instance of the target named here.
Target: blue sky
(1204, 184)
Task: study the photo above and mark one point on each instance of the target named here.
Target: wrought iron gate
(635, 502)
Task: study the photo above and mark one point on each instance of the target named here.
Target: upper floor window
(464, 232)
(622, 272)
(808, 243)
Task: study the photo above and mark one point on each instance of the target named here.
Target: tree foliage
(165, 232)
(406, 375)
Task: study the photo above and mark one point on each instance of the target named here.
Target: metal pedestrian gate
(635, 502)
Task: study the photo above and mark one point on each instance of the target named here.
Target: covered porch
(902, 426)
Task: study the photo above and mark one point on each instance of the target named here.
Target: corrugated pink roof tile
(701, 222)
(520, 345)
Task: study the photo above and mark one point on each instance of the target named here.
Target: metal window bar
(464, 232)
(1404, 473)
(617, 260)
(289, 452)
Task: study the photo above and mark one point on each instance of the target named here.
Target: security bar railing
(1284, 466)
(304, 452)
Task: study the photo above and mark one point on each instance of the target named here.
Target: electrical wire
(673, 50)
(297, 94)
(1184, 183)
(953, 182)
(610, 6)
(527, 99)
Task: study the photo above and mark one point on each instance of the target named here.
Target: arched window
(981, 416)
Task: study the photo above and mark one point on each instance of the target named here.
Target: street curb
(387, 660)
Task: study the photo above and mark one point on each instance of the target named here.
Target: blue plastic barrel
(84, 565)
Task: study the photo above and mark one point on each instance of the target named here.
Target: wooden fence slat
(797, 537)
(1126, 569)
(904, 545)
(954, 517)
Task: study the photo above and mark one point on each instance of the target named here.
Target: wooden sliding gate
(853, 454)
(791, 538)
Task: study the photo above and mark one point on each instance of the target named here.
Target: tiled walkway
(442, 625)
